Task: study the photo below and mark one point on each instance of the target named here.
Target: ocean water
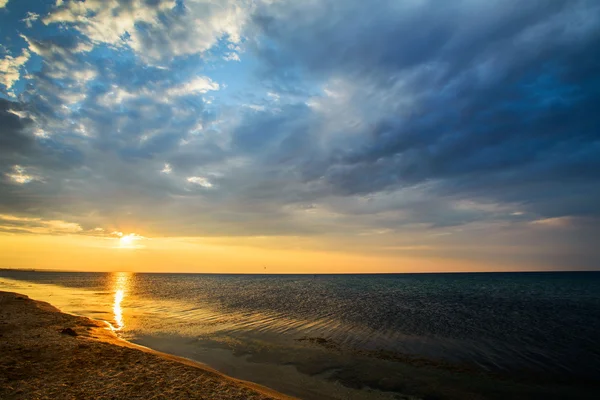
(352, 336)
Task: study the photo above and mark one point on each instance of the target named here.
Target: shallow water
(542, 324)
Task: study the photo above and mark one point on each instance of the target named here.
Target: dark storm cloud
(385, 36)
(13, 139)
(19, 146)
(505, 95)
(37, 161)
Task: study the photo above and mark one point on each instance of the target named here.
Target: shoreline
(45, 353)
(307, 367)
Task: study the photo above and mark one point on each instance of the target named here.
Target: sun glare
(128, 241)
(121, 282)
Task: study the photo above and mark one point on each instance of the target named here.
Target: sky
(285, 136)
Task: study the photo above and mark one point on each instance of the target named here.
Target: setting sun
(128, 241)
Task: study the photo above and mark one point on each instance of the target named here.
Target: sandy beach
(47, 354)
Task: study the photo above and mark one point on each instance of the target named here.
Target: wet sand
(46, 354)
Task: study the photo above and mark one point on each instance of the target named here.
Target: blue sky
(464, 130)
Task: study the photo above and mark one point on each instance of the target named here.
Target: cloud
(107, 22)
(198, 85)
(26, 158)
(452, 103)
(10, 68)
(156, 30)
(30, 18)
(13, 137)
(16, 224)
(558, 222)
(231, 57)
(20, 176)
(200, 180)
(57, 49)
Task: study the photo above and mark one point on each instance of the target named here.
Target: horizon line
(299, 273)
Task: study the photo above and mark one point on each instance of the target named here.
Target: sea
(380, 336)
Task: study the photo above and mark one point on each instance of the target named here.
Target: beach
(47, 354)
(199, 336)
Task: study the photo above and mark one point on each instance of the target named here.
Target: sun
(127, 241)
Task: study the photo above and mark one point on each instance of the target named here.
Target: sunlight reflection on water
(120, 285)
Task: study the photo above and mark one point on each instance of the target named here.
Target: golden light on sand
(121, 283)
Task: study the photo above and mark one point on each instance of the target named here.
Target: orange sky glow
(212, 255)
